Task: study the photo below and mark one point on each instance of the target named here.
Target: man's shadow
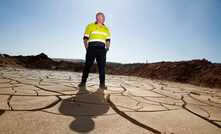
(84, 107)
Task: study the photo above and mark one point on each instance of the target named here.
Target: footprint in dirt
(84, 107)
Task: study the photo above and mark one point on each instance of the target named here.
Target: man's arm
(108, 40)
(107, 45)
(85, 44)
(86, 36)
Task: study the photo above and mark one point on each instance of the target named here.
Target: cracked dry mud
(34, 101)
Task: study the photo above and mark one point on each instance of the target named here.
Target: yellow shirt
(95, 33)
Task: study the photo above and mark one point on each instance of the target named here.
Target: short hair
(99, 14)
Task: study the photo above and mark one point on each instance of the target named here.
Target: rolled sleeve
(108, 36)
(87, 32)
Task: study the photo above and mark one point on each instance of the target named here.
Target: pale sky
(153, 30)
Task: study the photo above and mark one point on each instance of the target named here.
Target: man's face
(100, 18)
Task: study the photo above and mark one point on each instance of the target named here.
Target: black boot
(102, 86)
(82, 84)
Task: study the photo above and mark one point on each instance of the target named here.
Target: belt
(96, 44)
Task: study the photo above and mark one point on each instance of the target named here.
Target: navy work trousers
(100, 55)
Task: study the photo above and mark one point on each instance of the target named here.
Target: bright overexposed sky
(141, 30)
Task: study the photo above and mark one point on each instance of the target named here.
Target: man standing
(97, 43)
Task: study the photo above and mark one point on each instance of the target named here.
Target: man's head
(100, 17)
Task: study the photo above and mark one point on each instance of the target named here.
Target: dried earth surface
(40, 101)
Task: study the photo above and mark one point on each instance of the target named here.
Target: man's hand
(107, 45)
(85, 44)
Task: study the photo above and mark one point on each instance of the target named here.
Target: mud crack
(121, 113)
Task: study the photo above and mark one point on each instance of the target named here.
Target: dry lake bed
(41, 101)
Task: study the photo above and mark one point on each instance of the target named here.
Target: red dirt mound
(197, 72)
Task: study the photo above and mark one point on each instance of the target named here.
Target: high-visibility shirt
(94, 33)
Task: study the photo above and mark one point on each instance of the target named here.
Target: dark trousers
(100, 55)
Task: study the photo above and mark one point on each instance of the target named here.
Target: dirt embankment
(40, 61)
(197, 72)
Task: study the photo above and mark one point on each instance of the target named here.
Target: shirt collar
(96, 23)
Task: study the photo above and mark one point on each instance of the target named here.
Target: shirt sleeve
(87, 32)
(108, 35)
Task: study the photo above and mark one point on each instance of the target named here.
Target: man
(97, 43)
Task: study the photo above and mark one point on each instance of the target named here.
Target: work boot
(82, 84)
(102, 86)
